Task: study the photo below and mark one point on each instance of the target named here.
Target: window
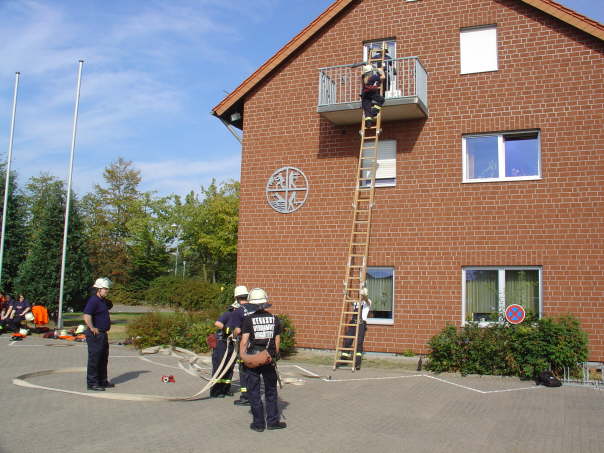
(385, 174)
(487, 291)
(478, 49)
(506, 156)
(380, 284)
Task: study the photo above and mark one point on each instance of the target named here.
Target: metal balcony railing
(405, 78)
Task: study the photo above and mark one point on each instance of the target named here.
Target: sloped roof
(550, 7)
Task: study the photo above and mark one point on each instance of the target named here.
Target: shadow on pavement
(128, 376)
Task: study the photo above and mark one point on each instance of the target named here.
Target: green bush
(125, 296)
(188, 294)
(522, 350)
(288, 336)
(185, 330)
(189, 331)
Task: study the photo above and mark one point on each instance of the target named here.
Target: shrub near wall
(189, 331)
(187, 294)
(521, 350)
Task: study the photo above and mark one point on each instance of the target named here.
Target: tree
(39, 275)
(108, 210)
(15, 230)
(210, 230)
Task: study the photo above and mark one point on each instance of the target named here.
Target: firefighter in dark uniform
(234, 325)
(224, 345)
(261, 331)
(363, 310)
(98, 321)
(371, 97)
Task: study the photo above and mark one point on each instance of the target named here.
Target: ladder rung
(350, 312)
(347, 336)
(345, 349)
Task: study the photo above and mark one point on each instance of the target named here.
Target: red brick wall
(430, 225)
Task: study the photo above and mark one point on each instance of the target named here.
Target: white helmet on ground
(241, 291)
(257, 296)
(102, 282)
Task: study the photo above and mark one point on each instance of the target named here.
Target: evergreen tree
(39, 275)
(15, 234)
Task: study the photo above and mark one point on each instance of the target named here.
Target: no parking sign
(515, 314)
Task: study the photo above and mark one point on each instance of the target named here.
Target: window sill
(382, 322)
(512, 179)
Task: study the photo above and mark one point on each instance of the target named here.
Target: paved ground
(373, 410)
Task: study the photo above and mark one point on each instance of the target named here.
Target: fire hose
(220, 372)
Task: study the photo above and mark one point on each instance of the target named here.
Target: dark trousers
(371, 101)
(98, 356)
(243, 380)
(223, 385)
(15, 323)
(361, 340)
(269, 376)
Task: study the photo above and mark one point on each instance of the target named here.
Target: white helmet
(241, 291)
(102, 282)
(29, 316)
(366, 68)
(364, 292)
(81, 328)
(257, 296)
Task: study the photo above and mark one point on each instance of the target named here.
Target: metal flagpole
(68, 204)
(8, 162)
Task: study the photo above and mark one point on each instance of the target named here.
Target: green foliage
(39, 275)
(15, 241)
(187, 294)
(523, 350)
(288, 336)
(185, 330)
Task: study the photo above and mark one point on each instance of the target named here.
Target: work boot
(278, 425)
(258, 429)
(242, 402)
(96, 388)
(108, 385)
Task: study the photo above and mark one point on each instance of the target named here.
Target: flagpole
(68, 204)
(8, 162)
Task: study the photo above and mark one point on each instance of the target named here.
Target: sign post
(515, 314)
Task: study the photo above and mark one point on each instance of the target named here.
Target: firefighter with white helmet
(98, 322)
(371, 88)
(225, 345)
(363, 308)
(259, 349)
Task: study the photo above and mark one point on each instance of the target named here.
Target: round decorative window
(287, 189)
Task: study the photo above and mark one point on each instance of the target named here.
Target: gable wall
(430, 224)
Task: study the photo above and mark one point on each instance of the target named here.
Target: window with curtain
(380, 284)
(488, 291)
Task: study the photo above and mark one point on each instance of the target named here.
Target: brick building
(490, 186)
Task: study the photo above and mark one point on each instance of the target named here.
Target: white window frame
(500, 157)
(501, 295)
(385, 174)
(478, 49)
(384, 321)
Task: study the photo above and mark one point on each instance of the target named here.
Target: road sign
(515, 314)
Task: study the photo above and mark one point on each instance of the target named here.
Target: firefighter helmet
(366, 68)
(257, 296)
(102, 282)
(241, 291)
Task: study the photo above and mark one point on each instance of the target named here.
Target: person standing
(98, 322)
(235, 322)
(224, 346)
(365, 306)
(261, 334)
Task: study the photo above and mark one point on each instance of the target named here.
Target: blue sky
(153, 70)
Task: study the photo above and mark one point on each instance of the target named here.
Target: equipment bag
(256, 360)
(548, 379)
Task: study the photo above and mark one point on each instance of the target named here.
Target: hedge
(189, 331)
(522, 350)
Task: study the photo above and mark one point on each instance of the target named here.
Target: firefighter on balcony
(371, 96)
(364, 311)
(259, 349)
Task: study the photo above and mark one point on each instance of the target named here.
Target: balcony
(406, 92)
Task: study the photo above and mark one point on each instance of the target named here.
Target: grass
(119, 322)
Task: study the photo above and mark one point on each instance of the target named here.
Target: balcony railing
(405, 90)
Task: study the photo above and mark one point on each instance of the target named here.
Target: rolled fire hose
(220, 372)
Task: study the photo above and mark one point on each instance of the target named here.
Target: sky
(152, 72)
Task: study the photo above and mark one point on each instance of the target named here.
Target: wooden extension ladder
(356, 266)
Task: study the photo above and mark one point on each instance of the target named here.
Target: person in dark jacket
(371, 93)
(261, 331)
(98, 322)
